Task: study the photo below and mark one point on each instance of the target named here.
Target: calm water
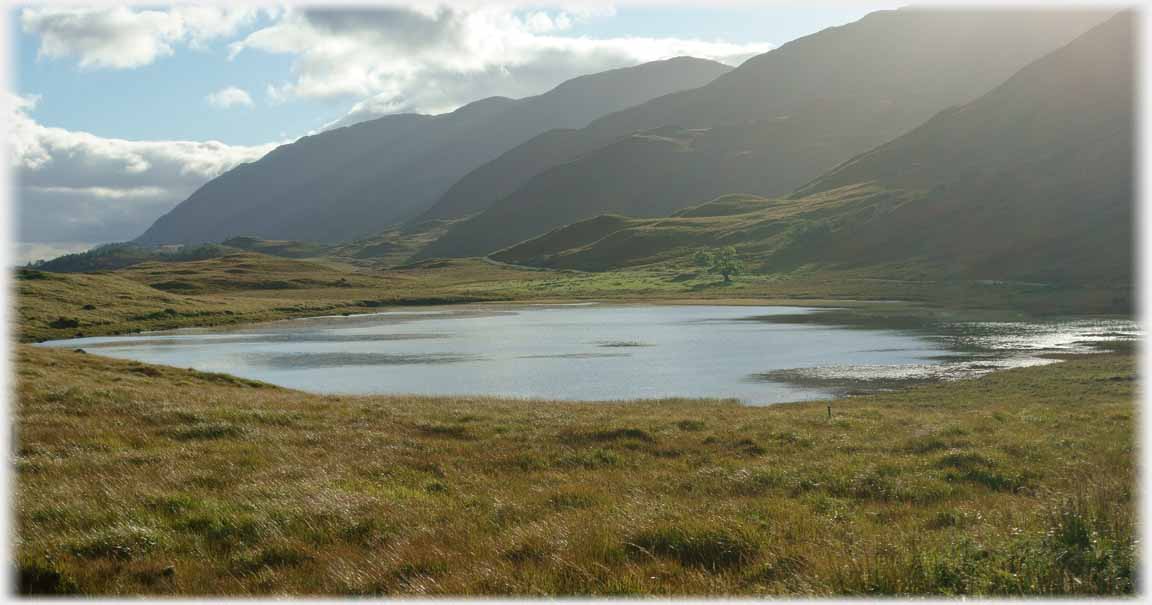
(585, 352)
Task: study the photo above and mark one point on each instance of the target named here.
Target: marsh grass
(136, 479)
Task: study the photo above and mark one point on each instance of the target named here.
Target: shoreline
(206, 322)
(815, 303)
(828, 383)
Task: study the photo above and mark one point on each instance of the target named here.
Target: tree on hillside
(722, 261)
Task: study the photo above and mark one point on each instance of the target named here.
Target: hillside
(767, 127)
(1032, 181)
(757, 226)
(356, 180)
(390, 247)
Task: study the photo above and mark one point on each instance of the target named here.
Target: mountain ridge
(806, 107)
(1031, 181)
(355, 179)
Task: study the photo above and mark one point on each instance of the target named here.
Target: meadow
(139, 479)
(134, 479)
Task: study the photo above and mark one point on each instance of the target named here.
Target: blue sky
(166, 99)
(113, 121)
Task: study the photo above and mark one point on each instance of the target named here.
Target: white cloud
(125, 38)
(432, 58)
(229, 97)
(108, 193)
(76, 186)
(406, 55)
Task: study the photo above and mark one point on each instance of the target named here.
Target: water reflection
(604, 352)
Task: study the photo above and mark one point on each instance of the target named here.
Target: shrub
(924, 445)
(222, 528)
(207, 430)
(572, 499)
(63, 323)
(713, 548)
(276, 555)
(533, 547)
(122, 542)
(445, 430)
(964, 461)
(43, 578)
(24, 274)
(615, 434)
(595, 458)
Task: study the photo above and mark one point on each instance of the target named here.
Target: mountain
(767, 127)
(1031, 181)
(356, 180)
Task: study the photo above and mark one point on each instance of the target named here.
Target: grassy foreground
(131, 478)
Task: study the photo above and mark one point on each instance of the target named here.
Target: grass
(763, 228)
(141, 479)
(248, 287)
(137, 479)
(234, 289)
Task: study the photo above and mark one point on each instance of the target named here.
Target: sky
(118, 113)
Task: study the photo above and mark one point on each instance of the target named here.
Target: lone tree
(722, 261)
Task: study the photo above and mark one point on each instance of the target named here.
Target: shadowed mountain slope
(1032, 181)
(359, 179)
(767, 127)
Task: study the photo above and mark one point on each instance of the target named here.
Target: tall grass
(172, 482)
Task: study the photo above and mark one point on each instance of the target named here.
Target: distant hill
(388, 248)
(767, 127)
(1032, 181)
(110, 257)
(356, 180)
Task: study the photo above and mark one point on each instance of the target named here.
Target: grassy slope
(390, 247)
(133, 478)
(394, 246)
(761, 228)
(252, 287)
(776, 236)
(233, 289)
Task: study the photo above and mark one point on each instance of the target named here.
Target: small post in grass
(829, 410)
